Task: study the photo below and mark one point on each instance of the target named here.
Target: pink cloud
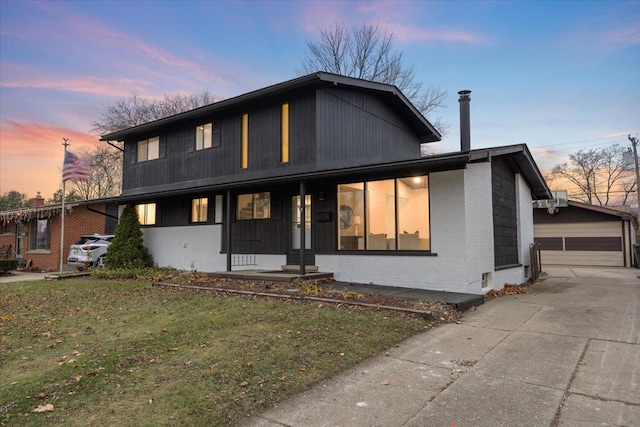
(391, 16)
(629, 36)
(15, 76)
(411, 34)
(31, 156)
(109, 45)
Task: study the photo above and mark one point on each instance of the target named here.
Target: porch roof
(519, 154)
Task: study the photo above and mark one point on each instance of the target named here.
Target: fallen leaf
(44, 408)
(244, 384)
(384, 382)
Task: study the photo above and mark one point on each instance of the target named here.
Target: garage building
(582, 234)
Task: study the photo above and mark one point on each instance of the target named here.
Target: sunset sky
(558, 76)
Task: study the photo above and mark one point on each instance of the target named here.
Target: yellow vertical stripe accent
(244, 148)
(284, 143)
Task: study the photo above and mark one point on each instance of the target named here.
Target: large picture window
(149, 149)
(390, 214)
(253, 206)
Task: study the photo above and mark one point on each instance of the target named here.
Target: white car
(89, 251)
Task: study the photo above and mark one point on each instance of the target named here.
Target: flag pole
(66, 144)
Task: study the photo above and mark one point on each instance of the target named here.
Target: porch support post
(303, 224)
(228, 230)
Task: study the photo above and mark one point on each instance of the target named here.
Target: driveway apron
(565, 353)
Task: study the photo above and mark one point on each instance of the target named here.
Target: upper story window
(254, 206)
(244, 143)
(149, 149)
(147, 213)
(204, 135)
(199, 208)
(284, 134)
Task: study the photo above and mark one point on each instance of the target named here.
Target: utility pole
(634, 144)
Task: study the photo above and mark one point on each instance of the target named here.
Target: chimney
(37, 201)
(465, 126)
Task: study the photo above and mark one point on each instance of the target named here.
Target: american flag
(74, 168)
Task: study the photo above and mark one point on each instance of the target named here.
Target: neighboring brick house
(326, 170)
(33, 233)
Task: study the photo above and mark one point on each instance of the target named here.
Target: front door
(299, 226)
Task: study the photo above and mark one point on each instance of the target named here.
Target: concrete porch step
(296, 268)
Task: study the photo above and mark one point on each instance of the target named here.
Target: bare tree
(598, 176)
(135, 110)
(365, 52)
(105, 166)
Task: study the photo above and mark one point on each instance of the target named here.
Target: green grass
(121, 353)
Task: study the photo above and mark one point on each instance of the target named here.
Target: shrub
(8, 265)
(148, 274)
(127, 249)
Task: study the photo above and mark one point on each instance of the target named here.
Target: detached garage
(582, 234)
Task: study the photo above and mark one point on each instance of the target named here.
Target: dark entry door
(297, 227)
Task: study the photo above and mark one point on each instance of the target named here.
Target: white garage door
(583, 243)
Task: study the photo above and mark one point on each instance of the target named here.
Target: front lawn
(97, 352)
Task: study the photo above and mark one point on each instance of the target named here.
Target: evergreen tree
(127, 249)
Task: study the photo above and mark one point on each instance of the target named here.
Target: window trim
(284, 133)
(146, 143)
(200, 213)
(142, 219)
(254, 198)
(365, 221)
(244, 142)
(33, 236)
(201, 135)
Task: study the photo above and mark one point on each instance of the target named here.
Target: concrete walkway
(567, 353)
(19, 276)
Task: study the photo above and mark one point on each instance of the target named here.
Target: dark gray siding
(505, 223)
(181, 166)
(330, 128)
(355, 128)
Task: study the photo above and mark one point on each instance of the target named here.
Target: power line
(583, 140)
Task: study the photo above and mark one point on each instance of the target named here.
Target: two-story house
(326, 170)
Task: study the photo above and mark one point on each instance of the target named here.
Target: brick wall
(78, 221)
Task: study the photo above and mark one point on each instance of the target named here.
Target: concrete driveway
(566, 353)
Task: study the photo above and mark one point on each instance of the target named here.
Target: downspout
(228, 230)
(624, 245)
(303, 224)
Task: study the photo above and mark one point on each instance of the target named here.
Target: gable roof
(603, 210)
(523, 161)
(390, 93)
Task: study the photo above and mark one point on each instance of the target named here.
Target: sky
(557, 75)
